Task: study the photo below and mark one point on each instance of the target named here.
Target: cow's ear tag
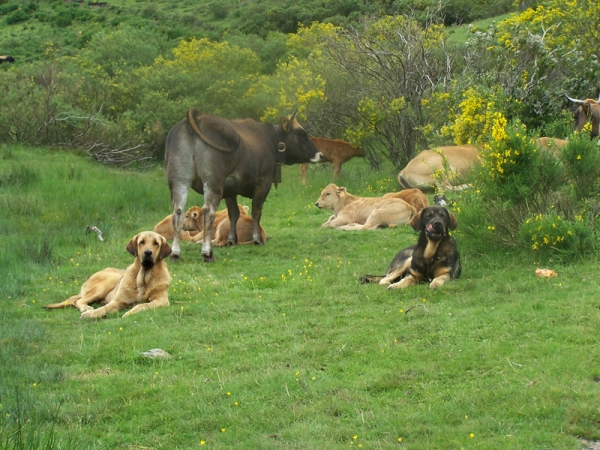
(281, 147)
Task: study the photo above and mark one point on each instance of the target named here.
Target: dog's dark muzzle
(435, 230)
(147, 259)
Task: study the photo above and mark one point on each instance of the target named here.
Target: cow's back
(418, 173)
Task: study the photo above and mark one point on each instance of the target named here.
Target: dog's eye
(141, 243)
(155, 244)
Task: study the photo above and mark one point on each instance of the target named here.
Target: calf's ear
(132, 246)
(165, 248)
(415, 222)
(453, 221)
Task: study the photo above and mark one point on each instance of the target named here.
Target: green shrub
(63, 18)
(551, 233)
(516, 171)
(18, 16)
(10, 7)
(582, 164)
(521, 196)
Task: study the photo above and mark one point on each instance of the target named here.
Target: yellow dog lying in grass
(144, 283)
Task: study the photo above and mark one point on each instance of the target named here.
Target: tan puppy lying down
(144, 283)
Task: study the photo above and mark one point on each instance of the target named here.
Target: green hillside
(27, 26)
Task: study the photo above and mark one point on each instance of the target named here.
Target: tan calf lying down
(414, 197)
(145, 282)
(165, 229)
(362, 213)
(194, 221)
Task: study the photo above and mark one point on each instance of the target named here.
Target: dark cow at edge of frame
(7, 59)
(588, 107)
(222, 158)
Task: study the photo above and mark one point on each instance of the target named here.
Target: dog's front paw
(127, 314)
(436, 283)
(399, 285)
(89, 314)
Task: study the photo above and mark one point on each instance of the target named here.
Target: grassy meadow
(278, 347)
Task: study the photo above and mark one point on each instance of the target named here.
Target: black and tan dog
(435, 258)
(145, 282)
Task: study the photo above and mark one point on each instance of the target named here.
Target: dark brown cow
(222, 158)
(587, 108)
(334, 151)
(7, 58)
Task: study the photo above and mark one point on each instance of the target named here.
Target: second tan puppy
(144, 283)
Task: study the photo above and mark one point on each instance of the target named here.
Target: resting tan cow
(414, 197)
(194, 221)
(552, 145)
(165, 229)
(334, 151)
(418, 173)
(362, 213)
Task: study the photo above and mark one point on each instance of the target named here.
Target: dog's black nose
(148, 253)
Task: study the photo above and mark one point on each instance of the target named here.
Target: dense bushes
(539, 200)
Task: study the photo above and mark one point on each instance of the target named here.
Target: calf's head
(434, 221)
(193, 219)
(330, 197)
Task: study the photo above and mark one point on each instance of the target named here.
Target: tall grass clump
(23, 428)
(537, 200)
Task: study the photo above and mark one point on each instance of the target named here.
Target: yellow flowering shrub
(549, 232)
(480, 114)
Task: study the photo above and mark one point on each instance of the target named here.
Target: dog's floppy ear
(165, 248)
(415, 222)
(132, 245)
(453, 221)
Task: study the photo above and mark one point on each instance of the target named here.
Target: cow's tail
(370, 279)
(68, 302)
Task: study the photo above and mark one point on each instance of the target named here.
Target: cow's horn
(574, 100)
(293, 116)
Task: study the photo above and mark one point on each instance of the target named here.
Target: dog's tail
(370, 279)
(68, 302)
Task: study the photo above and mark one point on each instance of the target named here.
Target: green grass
(278, 347)
(460, 34)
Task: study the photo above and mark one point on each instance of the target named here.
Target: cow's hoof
(175, 257)
(230, 243)
(259, 243)
(208, 258)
